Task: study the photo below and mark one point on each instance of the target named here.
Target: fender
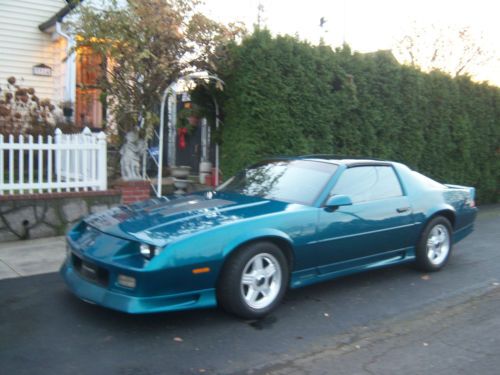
(254, 235)
(442, 207)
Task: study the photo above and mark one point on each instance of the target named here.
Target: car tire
(254, 280)
(434, 246)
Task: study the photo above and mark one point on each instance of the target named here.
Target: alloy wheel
(261, 281)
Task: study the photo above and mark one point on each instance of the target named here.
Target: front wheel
(254, 280)
(434, 247)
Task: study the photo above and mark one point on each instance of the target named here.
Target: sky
(371, 25)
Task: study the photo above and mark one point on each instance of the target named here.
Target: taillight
(471, 202)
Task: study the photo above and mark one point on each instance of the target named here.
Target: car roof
(349, 161)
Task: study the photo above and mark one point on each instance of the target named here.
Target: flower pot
(180, 171)
(180, 183)
(205, 166)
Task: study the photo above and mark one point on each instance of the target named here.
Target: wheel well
(448, 214)
(283, 244)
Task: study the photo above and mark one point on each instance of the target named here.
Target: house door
(189, 150)
(193, 138)
(88, 107)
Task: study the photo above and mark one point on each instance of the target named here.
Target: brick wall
(133, 191)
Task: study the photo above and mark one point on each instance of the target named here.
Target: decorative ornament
(182, 132)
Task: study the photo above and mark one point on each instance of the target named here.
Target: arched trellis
(168, 93)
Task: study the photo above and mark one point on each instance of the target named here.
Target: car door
(377, 226)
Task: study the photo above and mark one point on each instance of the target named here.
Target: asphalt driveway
(388, 321)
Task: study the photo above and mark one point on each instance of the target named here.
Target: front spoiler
(90, 292)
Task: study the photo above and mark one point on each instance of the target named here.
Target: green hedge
(286, 97)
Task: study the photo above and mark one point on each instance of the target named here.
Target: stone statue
(132, 155)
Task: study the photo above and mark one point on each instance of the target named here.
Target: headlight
(149, 251)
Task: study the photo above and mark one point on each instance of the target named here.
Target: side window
(388, 185)
(357, 183)
(368, 183)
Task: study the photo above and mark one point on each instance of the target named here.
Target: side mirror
(338, 200)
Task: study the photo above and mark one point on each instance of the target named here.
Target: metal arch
(170, 91)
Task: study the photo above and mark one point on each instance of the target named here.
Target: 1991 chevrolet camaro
(287, 222)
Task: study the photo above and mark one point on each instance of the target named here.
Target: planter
(205, 167)
(180, 175)
(180, 183)
(180, 171)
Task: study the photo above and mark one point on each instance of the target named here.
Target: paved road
(390, 321)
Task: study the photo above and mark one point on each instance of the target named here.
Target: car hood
(160, 221)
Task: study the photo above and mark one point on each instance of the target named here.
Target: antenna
(322, 22)
(260, 14)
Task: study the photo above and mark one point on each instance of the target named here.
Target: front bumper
(94, 293)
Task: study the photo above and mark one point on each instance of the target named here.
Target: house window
(89, 69)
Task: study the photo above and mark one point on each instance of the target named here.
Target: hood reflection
(160, 221)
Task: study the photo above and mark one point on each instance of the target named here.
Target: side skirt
(463, 232)
(332, 271)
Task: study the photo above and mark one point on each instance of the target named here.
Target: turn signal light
(197, 271)
(126, 281)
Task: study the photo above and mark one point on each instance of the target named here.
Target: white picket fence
(63, 163)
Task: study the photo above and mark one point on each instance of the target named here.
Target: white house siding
(23, 45)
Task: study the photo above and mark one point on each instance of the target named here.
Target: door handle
(402, 209)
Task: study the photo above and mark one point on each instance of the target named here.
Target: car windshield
(295, 181)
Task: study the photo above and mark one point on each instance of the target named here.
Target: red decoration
(182, 132)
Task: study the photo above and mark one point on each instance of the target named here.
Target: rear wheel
(434, 247)
(254, 280)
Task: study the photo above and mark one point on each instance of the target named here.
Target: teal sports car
(281, 223)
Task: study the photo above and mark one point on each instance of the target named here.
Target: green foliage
(286, 97)
(144, 46)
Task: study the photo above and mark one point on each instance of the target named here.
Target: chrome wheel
(261, 281)
(438, 244)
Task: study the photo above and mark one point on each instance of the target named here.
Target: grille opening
(90, 271)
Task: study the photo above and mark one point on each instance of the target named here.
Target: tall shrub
(286, 97)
